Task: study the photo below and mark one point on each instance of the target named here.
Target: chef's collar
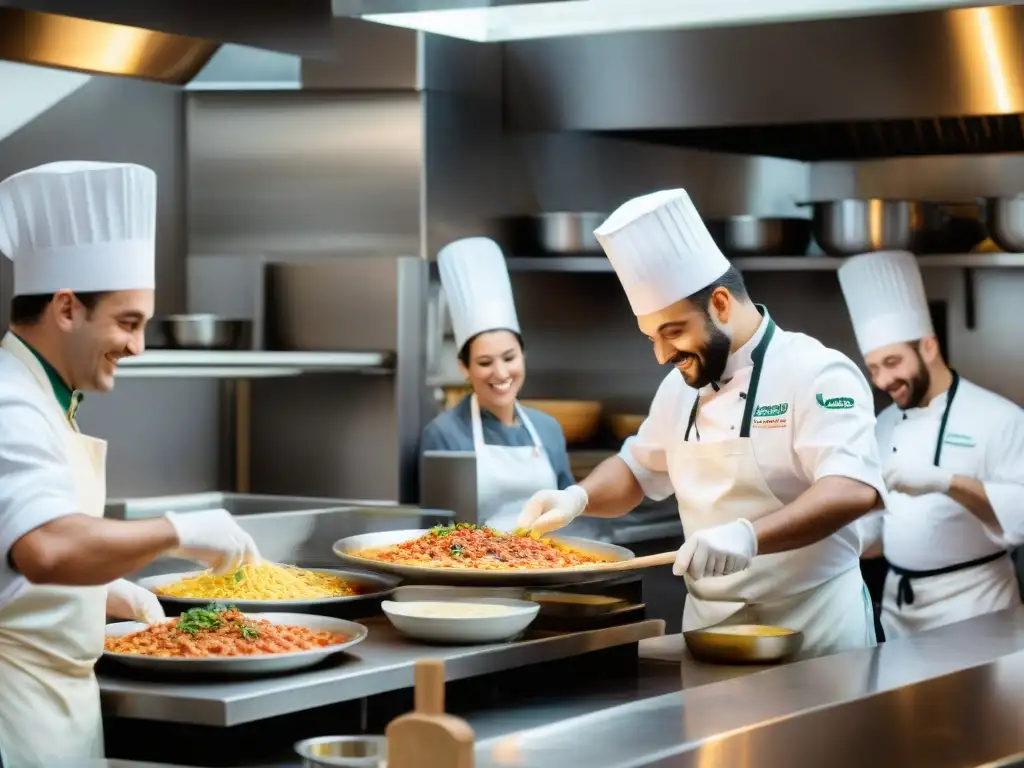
(744, 356)
(937, 405)
(67, 398)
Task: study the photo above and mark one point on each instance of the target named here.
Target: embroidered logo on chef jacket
(959, 440)
(770, 416)
(835, 403)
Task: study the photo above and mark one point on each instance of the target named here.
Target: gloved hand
(126, 600)
(550, 510)
(916, 478)
(717, 551)
(214, 538)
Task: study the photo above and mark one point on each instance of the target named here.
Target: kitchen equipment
(579, 419)
(370, 586)
(561, 232)
(761, 236)
(256, 664)
(626, 424)
(573, 605)
(427, 737)
(408, 617)
(620, 559)
(343, 752)
(743, 644)
(198, 332)
(1004, 220)
(852, 226)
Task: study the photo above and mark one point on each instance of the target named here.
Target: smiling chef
(81, 236)
(954, 459)
(766, 437)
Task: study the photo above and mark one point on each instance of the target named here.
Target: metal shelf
(773, 263)
(201, 364)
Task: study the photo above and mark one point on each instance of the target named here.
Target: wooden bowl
(626, 424)
(579, 419)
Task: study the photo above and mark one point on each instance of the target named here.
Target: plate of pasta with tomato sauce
(220, 639)
(462, 553)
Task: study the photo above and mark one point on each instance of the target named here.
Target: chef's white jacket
(36, 482)
(984, 439)
(814, 418)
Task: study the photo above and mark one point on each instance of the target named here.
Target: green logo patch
(771, 411)
(835, 403)
(959, 440)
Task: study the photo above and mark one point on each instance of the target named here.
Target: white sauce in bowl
(427, 609)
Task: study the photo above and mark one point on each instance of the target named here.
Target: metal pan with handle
(617, 559)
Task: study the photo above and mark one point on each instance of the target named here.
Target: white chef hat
(80, 226)
(660, 250)
(475, 281)
(885, 295)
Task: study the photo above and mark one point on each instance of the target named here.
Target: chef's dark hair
(464, 352)
(28, 310)
(731, 280)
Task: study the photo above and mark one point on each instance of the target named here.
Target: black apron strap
(945, 416)
(755, 377)
(905, 589)
(690, 424)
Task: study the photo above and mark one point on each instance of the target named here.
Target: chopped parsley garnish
(456, 550)
(196, 620)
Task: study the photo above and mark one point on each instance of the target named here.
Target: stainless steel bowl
(344, 752)
(1004, 220)
(852, 226)
(198, 332)
(563, 232)
(744, 644)
(757, 236)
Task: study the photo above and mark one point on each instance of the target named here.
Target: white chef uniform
(787, 412)
(479, 293)
(945, 564)
(82, 227)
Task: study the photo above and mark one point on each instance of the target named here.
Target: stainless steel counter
(382, 663)
(981, 661)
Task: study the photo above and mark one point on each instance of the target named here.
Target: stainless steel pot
(344, 752)
(851, 226)
(563, 232)
(198, 332)
(1004, 220)
(756, 236)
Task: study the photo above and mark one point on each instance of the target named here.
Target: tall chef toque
(80, 226)
(476, 283)
(660, 250)
(885, 296)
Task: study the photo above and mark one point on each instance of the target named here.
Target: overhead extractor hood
(498, 20)
(168, 41)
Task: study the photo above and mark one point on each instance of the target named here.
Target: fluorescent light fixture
(529, 20)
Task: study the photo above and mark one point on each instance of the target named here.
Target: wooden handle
(647, 561)
(429, 691)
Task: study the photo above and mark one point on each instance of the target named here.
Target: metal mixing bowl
(1004, 220)
(344, 752)
(853, 226)
(743, 644)
(198, 332)
(757, 236)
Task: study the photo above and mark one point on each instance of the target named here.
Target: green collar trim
(67, 398)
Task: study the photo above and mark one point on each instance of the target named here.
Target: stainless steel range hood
(168, 41)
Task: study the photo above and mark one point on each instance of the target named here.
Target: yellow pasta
(267, 581)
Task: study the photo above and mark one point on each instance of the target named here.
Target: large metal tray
(270, 663)
(345, 549)
(376, 586)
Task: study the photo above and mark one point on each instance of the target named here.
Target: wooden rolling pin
(427, 737)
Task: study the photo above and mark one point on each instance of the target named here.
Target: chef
(81, 236)
(954, 459)
(766, 437)
(519, 451)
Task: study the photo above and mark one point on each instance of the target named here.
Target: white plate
(244, 665)
(462, 629)
(374, 585)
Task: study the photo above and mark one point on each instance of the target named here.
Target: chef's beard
(711, 359)
(918, 385)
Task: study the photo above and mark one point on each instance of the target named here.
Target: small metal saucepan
(198, 332)
(757, 236)
(852, 226)
(743, 644)
(563, 232)
(344, 752)
(1004, 220)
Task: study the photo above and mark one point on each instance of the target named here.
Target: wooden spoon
(636, 564)
(427, 737)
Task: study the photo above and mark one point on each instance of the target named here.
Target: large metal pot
(851, 226)
(755, 236)
(563, 232)
(1004, 219)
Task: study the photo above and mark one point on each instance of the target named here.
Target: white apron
(51, 637)
(507, 476)
(720, 482)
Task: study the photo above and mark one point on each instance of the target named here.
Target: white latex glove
(916, 479)
(214, 538)
(550, 510)
(126, 600)
(717, 551)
